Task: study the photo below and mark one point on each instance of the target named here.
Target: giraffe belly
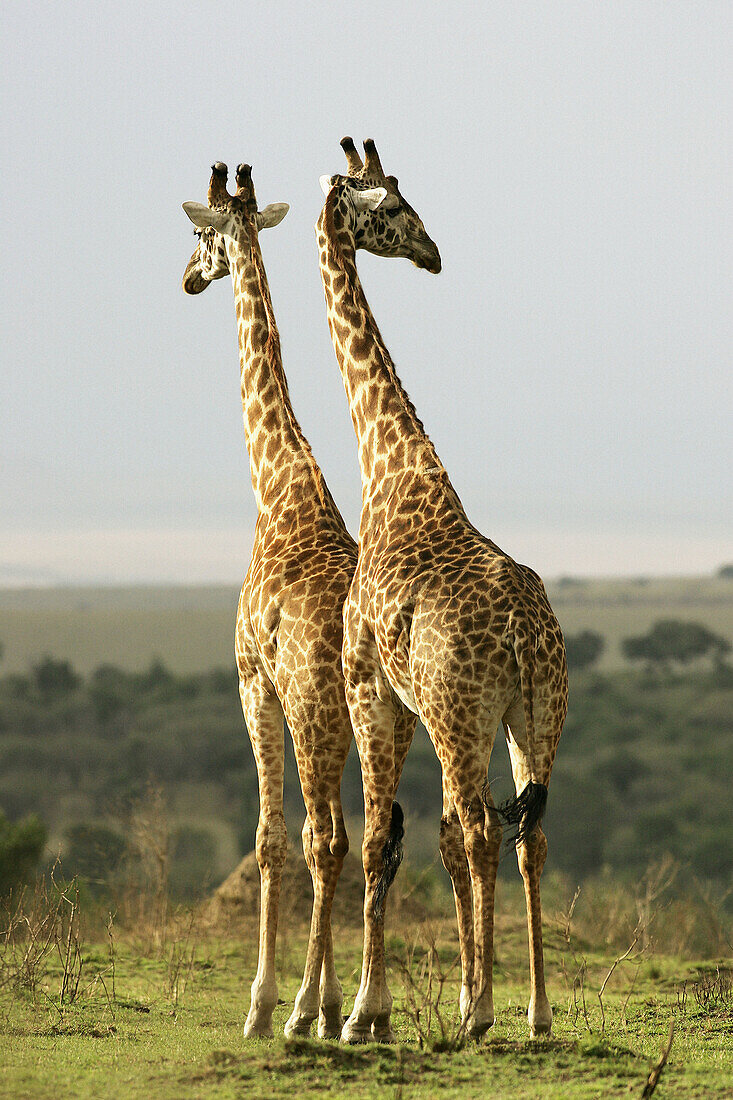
(405, 694)
(392, 636)
(397, 673)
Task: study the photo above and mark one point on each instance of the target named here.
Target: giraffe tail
(391, 858)
(525, 811)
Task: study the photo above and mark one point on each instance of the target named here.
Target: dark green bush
(21, 848)
(672, 641)
(584, 649)
(54, 679)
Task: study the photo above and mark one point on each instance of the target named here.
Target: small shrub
(93, 852)
(193, 854)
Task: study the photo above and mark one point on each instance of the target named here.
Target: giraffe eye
(392, 211)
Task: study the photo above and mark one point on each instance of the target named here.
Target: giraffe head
(224, 227)
(381, 220)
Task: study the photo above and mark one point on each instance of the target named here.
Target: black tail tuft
(524, 812)
(391, 858)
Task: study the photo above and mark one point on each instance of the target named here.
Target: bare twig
(424, 989)
(631, 990)
(112, 951)
(581, 966)
(656, 1071)
(180, 962)
(68, 938)
(602, 990)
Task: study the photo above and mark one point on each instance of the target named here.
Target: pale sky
(572, 362)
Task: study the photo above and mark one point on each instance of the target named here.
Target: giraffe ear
(193, 280)
(390, 201)
(204, 216)
(272, 215)
(369, 199)
(326, 183)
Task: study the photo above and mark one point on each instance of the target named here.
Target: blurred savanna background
(641, 776)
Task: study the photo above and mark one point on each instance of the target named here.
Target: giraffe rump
(524, 812)
(391, 858)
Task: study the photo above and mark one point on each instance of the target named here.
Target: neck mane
(280, 457)
(390, 435)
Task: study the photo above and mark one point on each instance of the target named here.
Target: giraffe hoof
(539, 1018)
(330, 1023)
(475, 1034)
(258, 1031)
(354, 1032)
(383, 1034)
(477, 1027)
(297, 1028)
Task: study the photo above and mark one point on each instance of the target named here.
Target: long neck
(279, 454)
(390, 436)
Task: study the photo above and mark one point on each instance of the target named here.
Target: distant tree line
(642, 765)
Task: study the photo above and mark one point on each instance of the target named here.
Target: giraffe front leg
(373, 718)
(305, 1008)
(331, 995)
(330, 1017)
(264, 718)
(325, 845)
(321, 738)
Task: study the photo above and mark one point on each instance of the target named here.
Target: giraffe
(439, 622)
(289, 617)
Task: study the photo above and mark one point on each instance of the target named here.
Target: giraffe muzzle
(427, 257)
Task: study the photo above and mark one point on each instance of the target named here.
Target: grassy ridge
(193, 628)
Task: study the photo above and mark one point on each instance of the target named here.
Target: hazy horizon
(571, 363)
(183, 565)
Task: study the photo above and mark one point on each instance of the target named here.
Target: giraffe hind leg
(455, 861)
(471, 835)
(531, 844)
(524, 812)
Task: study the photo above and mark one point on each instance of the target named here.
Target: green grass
(139, 1043)
(193, 628)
